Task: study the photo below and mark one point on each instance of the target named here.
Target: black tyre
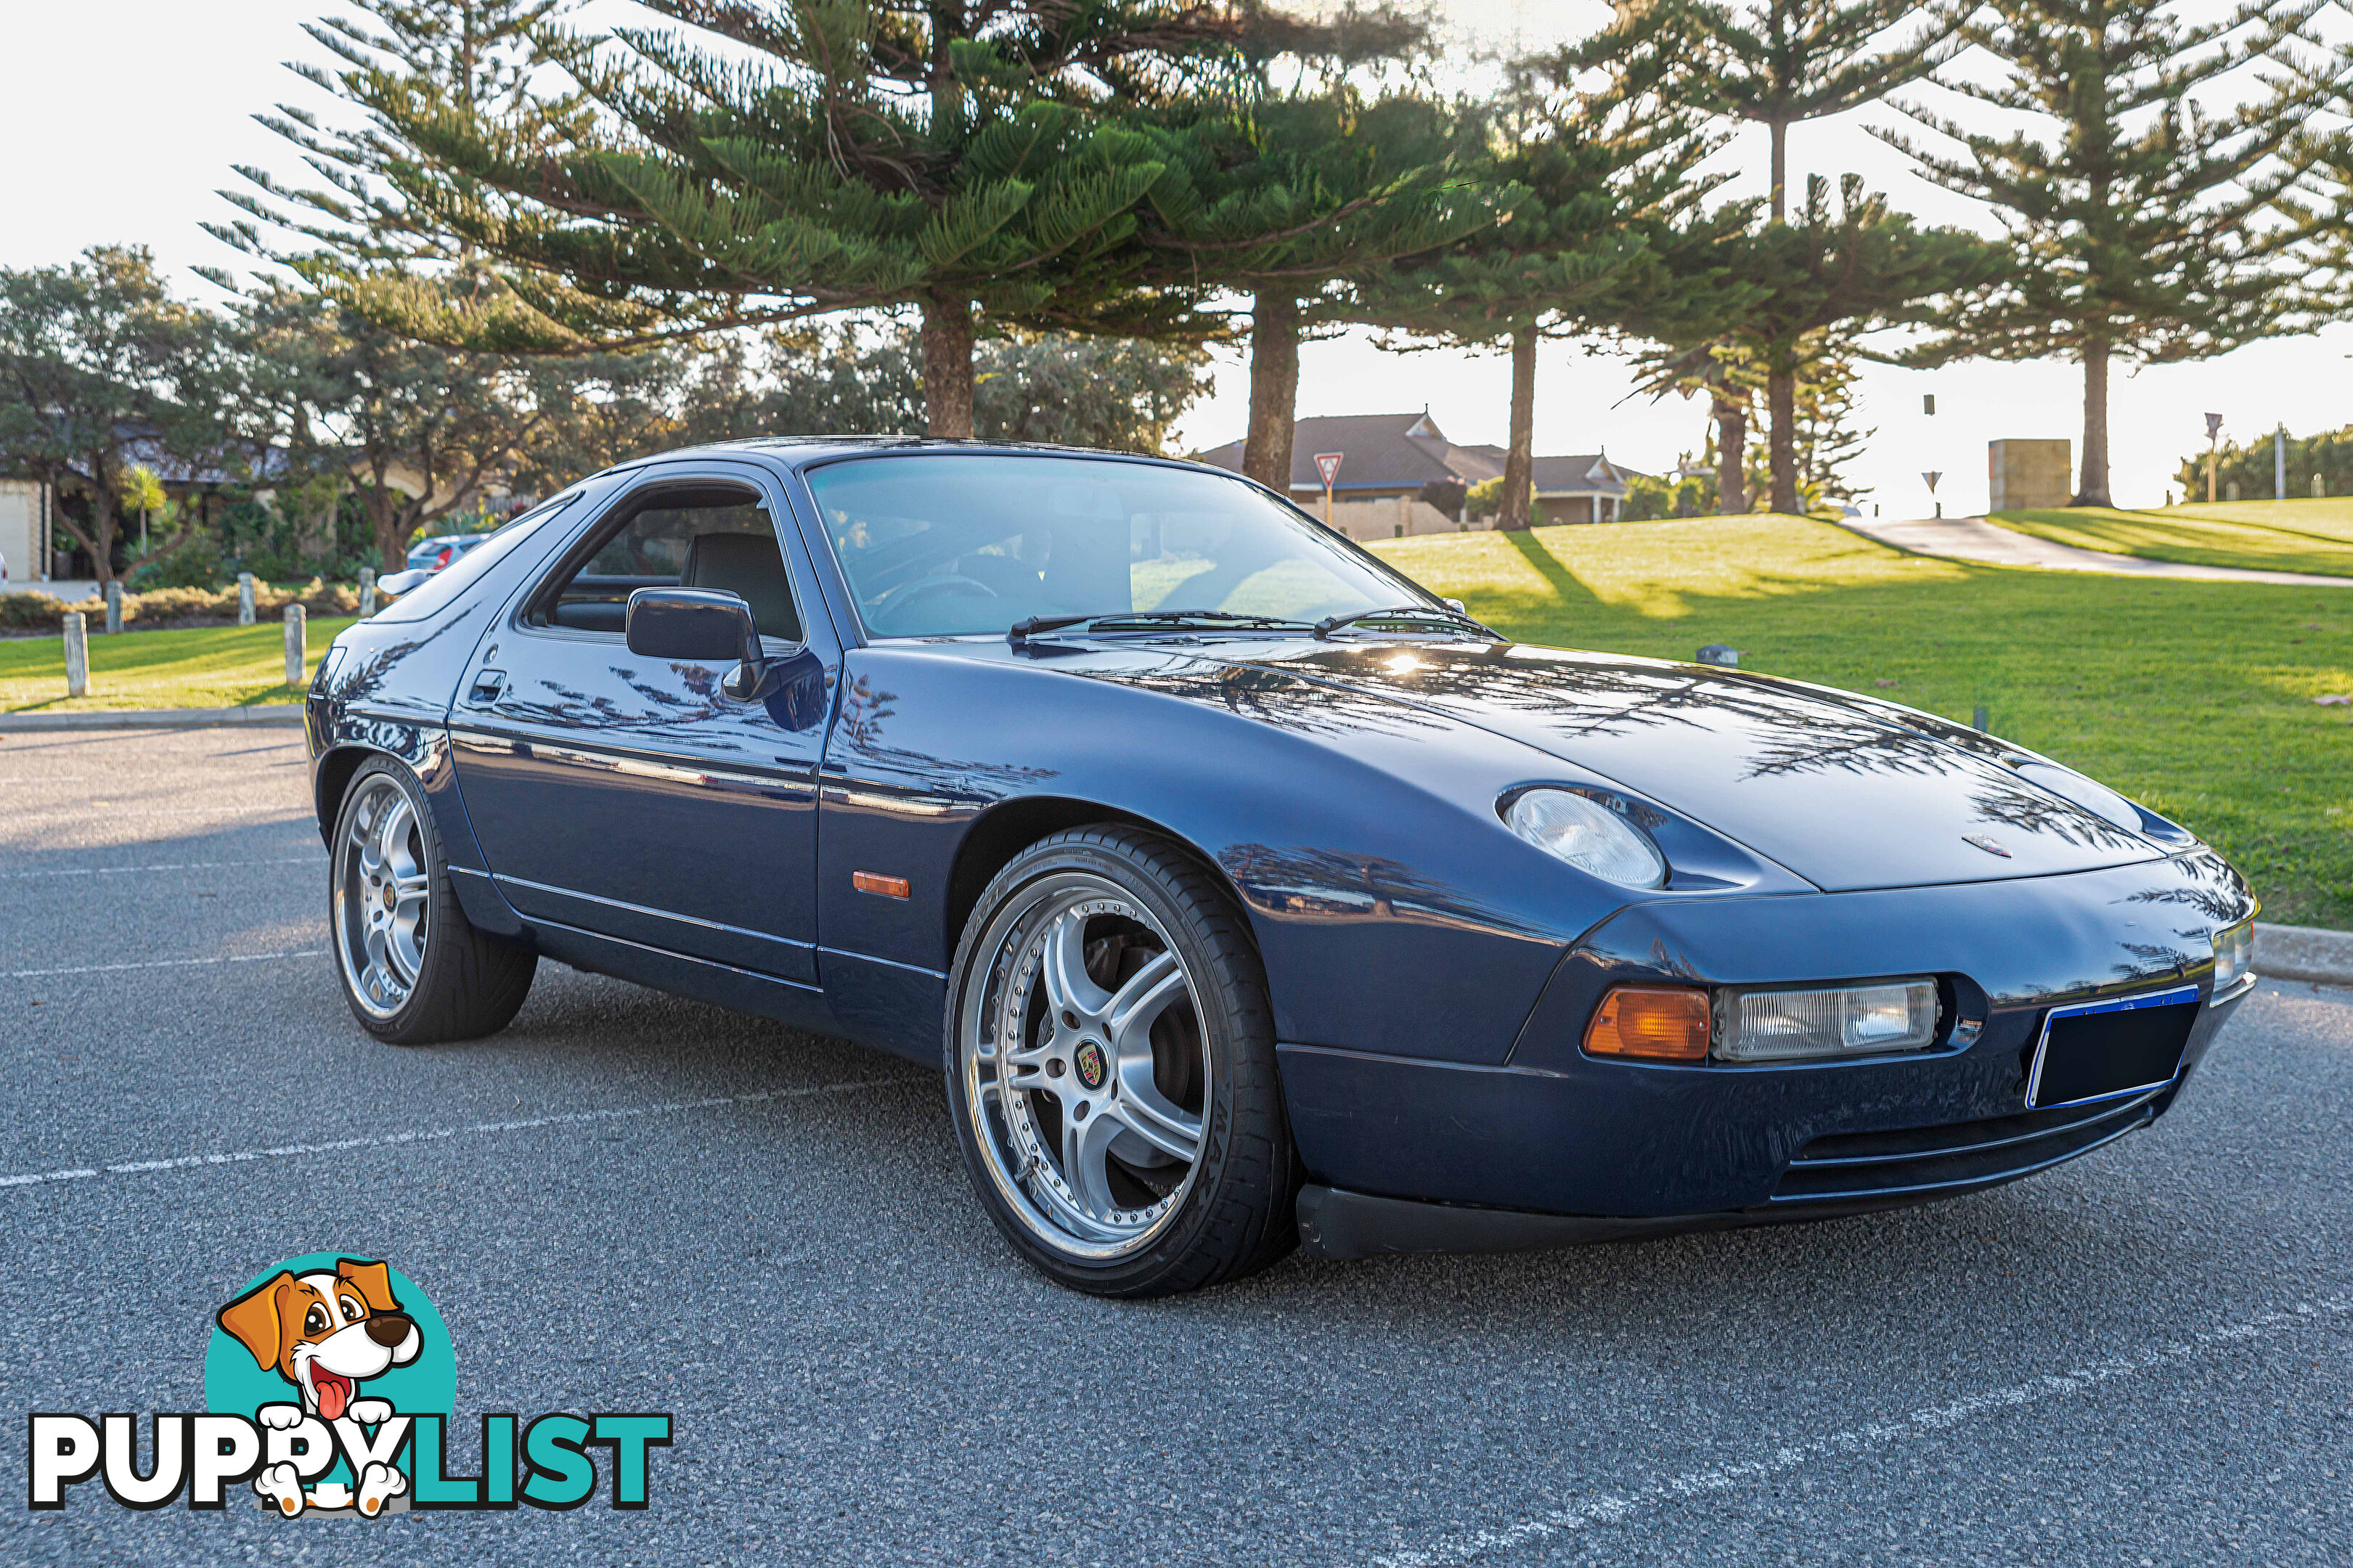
(414, 969)
(1111, 1065)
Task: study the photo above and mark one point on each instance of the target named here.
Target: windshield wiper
(1022, 631)
(1330, 624)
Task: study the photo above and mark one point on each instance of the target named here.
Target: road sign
(1328, 465)
(1931, 478)
(2213, 425)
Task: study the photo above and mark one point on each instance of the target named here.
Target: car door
(631, 796)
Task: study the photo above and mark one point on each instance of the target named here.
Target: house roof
(1406, 451)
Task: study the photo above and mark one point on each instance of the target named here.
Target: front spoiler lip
(1336, 1223)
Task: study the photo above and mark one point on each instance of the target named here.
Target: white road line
(121, 810)
(1614, 1507)
(430, 1134)
(164, 963)
(169, 866)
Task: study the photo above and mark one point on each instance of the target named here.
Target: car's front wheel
(1110, 1063)
(413, 968)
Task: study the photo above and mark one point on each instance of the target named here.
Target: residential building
(1400, 475)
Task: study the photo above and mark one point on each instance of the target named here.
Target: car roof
(807, 451)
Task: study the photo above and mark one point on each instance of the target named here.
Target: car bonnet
(1844, 792)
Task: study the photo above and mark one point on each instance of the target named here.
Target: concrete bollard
(367, 592)
(77, 654)
(245, 598)
(113, 608)
(297, 632)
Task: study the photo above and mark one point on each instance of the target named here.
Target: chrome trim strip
(682, 957)
(2134, 1125)
(890, 962)
(2173, 998)
(2106, 1110)
(644, 910)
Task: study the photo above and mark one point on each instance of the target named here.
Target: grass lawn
(204, 666)
(2194, 698)
(2271, 535)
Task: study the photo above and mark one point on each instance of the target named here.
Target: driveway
(1975, 539)
(628, 1201)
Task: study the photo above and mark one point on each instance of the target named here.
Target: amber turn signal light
(1656, 1023)
(875, 882)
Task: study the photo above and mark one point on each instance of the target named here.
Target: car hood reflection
(1847, 791)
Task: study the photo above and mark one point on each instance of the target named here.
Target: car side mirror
(699, 624)
(393, 584)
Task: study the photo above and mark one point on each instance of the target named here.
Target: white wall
(20, 532)
(1390, 517)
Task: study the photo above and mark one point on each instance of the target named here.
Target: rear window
(445, 585)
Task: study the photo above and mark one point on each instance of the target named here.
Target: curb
(2303, 953)
(276, 713)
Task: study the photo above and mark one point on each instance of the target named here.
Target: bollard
(113, 608)
(245, 598)
(297, 629)
(76, 654)
(367, 592)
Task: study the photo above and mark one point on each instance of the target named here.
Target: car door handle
(488, 684)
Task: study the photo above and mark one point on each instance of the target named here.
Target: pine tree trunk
(947, 367)
(2094, 491)
(1780, 170)
(1519, 457)
(1781, 408)
(1731, 456)
(1274, 390)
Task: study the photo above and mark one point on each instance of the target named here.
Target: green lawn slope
(203, 666)
(2195, 697)
(2270, 535)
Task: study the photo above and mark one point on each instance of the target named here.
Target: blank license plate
(2096, 1051)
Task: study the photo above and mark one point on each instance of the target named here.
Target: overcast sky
(124, 118)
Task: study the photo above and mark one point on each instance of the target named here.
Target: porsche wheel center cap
(1091, 1066)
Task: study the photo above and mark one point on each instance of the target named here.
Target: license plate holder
(2100, 1050)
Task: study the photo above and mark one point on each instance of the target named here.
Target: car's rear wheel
(414, 969)
(1110, 1062)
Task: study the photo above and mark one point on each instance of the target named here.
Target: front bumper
(1556, 1135)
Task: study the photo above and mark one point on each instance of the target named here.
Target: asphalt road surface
(628, 1201)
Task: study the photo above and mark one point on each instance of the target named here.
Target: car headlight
(2234, 951)
(2090, 793)
(1589, 836)
(1833, 1021)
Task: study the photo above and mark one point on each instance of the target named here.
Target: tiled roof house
(1392, 455)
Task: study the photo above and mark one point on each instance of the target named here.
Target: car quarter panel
(1559, 1131)
(1393, 911)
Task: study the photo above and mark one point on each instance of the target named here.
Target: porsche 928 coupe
(1248, 895)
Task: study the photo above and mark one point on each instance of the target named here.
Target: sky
(145, 110)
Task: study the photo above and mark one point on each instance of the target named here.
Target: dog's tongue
(334, 1394)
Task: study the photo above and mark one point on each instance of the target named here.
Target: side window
(700, 536)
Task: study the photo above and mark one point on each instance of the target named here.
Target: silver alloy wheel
(1085, 1072)
(380, 887)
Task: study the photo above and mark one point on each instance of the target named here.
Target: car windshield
(946, 544)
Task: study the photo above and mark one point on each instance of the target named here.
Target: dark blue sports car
(1248, 895)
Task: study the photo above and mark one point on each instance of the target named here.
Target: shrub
(195, 563)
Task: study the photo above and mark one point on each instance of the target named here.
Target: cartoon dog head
(324, 1332)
